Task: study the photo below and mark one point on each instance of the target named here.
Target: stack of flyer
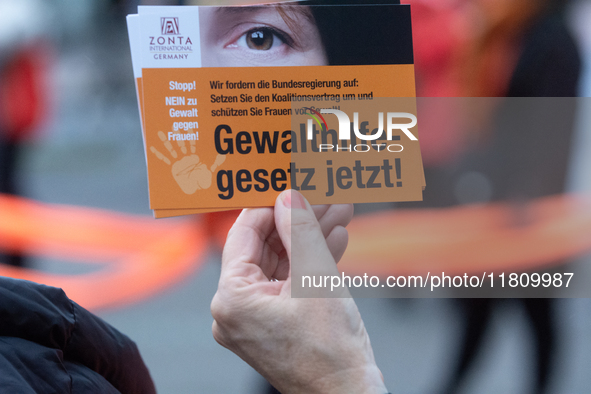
(239, 103)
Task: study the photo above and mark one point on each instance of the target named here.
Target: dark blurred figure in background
(23, 95)
(500, 48)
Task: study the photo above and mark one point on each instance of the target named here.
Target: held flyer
(228, 94)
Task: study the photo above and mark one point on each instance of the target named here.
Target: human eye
(262, 38)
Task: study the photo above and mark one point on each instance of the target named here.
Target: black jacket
(49, 344)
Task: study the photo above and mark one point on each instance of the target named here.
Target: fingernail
(294, 200)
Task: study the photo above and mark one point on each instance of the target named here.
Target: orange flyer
(240, 103)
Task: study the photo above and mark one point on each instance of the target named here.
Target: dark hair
(355, 33)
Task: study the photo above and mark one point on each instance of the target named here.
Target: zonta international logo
(364, 134)
(170, 45)
(169, 26)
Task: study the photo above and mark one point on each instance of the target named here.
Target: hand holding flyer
(241, 103)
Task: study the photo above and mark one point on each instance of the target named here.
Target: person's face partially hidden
(259, 36)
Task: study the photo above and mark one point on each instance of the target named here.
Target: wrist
(366, 380)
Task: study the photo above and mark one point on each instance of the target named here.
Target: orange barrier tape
(73, 231)
(141, 255)
(470, 238)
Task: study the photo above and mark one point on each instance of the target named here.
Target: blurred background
(74, 204)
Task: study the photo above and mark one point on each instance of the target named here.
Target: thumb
(305, 245)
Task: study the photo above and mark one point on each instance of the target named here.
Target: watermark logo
(169, 26)
(345, 124)
(317, 117)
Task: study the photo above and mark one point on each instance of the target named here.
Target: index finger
(246, 245)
